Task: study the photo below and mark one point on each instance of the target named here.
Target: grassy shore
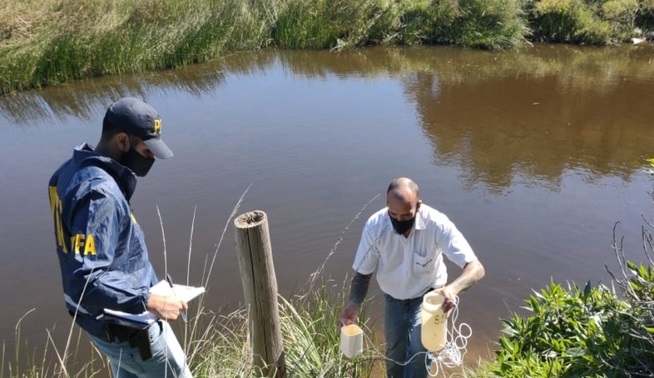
(218, 346)
(49, 42)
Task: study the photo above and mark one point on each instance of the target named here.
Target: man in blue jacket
(101, 248)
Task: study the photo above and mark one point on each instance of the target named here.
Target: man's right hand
(166, 307)
(349, 314)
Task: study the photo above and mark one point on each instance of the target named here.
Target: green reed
(597, 22)
(218, 346)
(51, 42)
(311, 342)
(27, 361)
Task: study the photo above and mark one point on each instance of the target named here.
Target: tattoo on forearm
(359, 287)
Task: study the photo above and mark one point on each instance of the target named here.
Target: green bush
(46, 42)
(330, 23)
(589, 21)
(594, 332)
(621, 14)
(573, 21)
(490, 24)
(55, 42)
(583, 333)
(645, 16)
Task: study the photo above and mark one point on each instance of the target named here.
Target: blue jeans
(402, 327)
(168, 359)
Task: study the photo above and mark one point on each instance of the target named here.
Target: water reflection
(499, 126)
(550, 132)
(85, 98)
(538, 111)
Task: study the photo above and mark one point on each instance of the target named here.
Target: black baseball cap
(135, 117)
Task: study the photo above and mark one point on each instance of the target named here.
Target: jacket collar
(126, 179)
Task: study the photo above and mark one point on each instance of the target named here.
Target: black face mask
(402, 226)
(138, 163)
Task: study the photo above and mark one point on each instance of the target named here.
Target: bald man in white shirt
(405, 243)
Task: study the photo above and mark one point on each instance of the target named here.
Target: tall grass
(27, 361)
(309, 327)
(311, 342)
(51, 42)
(487, 24)
(335, 23)
(218, 345)
(597, 22)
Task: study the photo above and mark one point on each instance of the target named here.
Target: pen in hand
(170, 282)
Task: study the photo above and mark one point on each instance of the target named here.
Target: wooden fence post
(260, 288)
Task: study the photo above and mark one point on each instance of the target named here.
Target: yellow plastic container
(434, 322)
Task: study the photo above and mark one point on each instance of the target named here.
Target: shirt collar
(420, 220)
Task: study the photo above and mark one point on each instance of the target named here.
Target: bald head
(402, 199)
(403, 189)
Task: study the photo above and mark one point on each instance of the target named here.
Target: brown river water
(535, 154)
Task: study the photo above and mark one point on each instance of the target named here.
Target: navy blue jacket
(101, 248)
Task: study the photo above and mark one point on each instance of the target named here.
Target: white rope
(452, 354)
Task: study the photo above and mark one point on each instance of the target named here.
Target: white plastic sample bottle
(351, 340)
(434, 322)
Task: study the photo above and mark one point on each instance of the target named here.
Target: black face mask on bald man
(402, 226)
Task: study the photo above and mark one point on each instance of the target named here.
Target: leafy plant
(568, 335)
(594, 332)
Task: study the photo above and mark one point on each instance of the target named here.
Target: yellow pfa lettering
(157, 126)
(56, 209)
(83, 244)
(77, 243)
(89, 246)
(80, 243)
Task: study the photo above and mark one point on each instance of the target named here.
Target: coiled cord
(452, 354)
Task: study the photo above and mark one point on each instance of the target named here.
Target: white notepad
(183, 292)
(144, 319)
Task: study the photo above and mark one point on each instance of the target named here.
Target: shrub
(589, 21)
(491, 24)
(594, 332)
(568, 21)
(334, 23)
(645, 15)
(570, 334)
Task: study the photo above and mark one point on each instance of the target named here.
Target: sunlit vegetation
(591, 22)
(582, 333)
(49, 42)
(595, 332)
(218, 346)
